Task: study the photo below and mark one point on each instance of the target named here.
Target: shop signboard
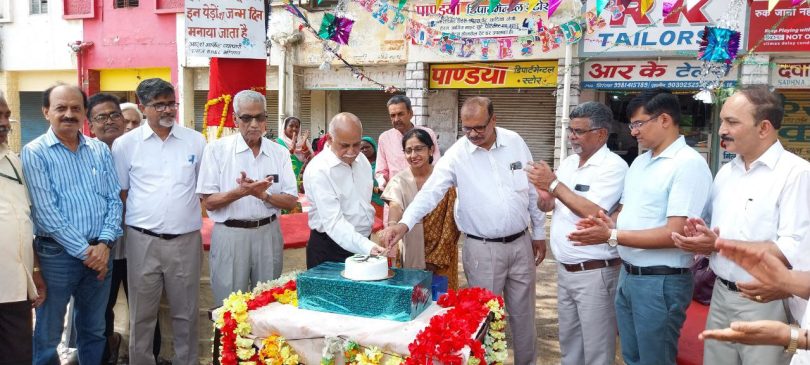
(631, 32)
(792, 34)
(528, 74)
(793, 74)
(640, 74)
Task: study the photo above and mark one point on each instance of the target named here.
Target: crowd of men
(125, 207)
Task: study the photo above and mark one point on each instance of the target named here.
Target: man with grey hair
(157, 165)
(132, 116)
(589, 181)
(338, 184)
(245, 181)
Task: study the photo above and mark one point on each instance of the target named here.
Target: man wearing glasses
(245, 181)
(20, 275)
(663, 187)
(587, 182)
(496, 207)
(157, 166)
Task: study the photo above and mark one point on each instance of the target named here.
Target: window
(39, 6)
(126, 4)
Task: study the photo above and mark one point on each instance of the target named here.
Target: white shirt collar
(242, 146)
(769, 158)
(597, 158)
(500, 141)
(672, 149)
(147, 131)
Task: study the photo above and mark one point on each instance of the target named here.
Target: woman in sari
(298, 145)
(369, 149)
(433, 243)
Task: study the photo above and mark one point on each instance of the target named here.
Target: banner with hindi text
(528, 74)
(225, 28)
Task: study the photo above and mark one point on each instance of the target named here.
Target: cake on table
(366, 267)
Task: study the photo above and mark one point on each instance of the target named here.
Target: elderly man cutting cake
(338, 184)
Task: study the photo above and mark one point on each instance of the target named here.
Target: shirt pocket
(520, 181)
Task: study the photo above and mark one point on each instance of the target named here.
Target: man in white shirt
(760, 197)
(663, 187)
(587, 182)
(338, 184)
(495, 207)
(157, 166)
(246, 243)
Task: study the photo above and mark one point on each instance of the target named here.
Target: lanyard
(16, 174)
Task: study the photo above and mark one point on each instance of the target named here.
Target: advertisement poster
(792, 34)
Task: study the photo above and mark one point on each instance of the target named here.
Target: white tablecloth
(305, 329)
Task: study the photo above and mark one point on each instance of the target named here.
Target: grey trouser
(587, 315)
(508, 269)
(242, 257)
(728, 306)
(155, 264)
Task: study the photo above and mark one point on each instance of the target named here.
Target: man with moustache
(587, 182)
(20, 274)
(132, 116)
(663, 187)
(495, 208)
(239, 189)
(77, 217)
(157, 166)
(761, 199)
(338, 184)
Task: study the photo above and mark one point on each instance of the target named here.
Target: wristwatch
(794, 340)
(105, 242)
(613, 241)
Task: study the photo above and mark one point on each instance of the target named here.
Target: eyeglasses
(637, 124)
(579, 132)
(417, 149)
(478, 129)
(4, 130)
(162, 107)
(246, 118)
(103, 118)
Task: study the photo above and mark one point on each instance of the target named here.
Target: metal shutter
(529, 112)
(370, 107)
(792, 133)
(200, 98)
(272, 111)
(305, 109)
(32, 123)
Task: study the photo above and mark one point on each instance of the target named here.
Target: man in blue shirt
(663, 187)
(77, 217)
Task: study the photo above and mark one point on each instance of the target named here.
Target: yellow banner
(529, 74)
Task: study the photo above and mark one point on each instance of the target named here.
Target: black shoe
(113, 345)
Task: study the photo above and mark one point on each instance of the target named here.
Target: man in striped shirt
(77, 217)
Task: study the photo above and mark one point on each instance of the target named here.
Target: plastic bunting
(438, 5)
(600, 4)
(336, 28)
(669, 5)
(492, 5)
(552, 7)
(402, 4)
(532, 4)
(453, 5)
(646, 5)
(797, 2)
(772, 4)
(626, 3)
(512, 4)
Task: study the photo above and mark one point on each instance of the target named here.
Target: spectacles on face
(417, 149)
(103, 118)
(637, 124)
(579, 132)
(160, 107)
(247, 118)
(478, 129)
(5, 130)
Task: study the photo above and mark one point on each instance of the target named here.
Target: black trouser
(16, 333)
(119, 278)
(321, 248)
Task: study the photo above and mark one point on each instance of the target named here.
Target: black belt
(236, 223)
(163, 236)
(729, 284)
(655, 270)
(91, 242)
(592, 265)
(506, 239)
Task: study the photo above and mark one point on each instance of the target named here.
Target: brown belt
(235, 223)
(592, 265)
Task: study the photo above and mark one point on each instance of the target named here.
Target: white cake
(362, 267)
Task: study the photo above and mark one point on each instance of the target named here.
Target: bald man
(338, 183)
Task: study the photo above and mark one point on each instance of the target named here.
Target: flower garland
(225, 99)
(276, 351)
(232, 318)
(452, 331)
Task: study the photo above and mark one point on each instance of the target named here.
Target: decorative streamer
(626, 3)
(492, 5)
(402, 4)
(718, 49)
(719, 45)
(512, 4)
(454, 5)
(531, 5)
(552, 7)
(669, 5)
(646, 5)
(797, 2)
(600, 4)
(772, 4)
(438, 5)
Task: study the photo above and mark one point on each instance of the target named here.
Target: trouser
(16, 334)
(67, 276)
(728, 306)
(508, 269)
(650, 311)
(587, 315)
(119, 279)
(321, 248)
(242, 257)
(155, 264)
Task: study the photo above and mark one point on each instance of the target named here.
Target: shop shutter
(272, 111)
(32, 123)
(200, 98)
(529, 112)
(305, 110)
(370, 107)
(795, 131)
